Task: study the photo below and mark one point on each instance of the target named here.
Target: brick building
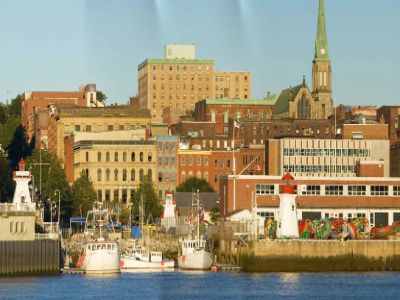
(167, 164)
(390, 115)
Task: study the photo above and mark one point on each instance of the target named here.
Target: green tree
(6, 184)
(7, 131)
(3, 113)
(83, 194)
(18, 147)
(14, 108)
(52, 178)
(194, 183)
(151, 201)
(214, 214)
(101, 97)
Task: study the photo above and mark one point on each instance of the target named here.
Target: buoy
(214, 268)
(121, 263)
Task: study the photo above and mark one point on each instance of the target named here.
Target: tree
(14, 108)
(18, 147)
(194, 183)
(6, 184)
(83, 194)
(101, 97)
(52, 178)
(7, 131)
(214, 214)
(151, 200)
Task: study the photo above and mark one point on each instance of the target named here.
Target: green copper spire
(321, 42)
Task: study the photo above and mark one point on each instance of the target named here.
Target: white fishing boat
(137, 257)
(99, 255)
(194, 255)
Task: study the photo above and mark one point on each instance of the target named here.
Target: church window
(304, 108)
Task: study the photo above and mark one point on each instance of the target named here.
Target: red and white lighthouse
(287, 221)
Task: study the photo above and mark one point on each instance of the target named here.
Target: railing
(17, 207)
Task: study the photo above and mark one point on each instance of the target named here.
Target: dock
(72, 271)
(228, 268)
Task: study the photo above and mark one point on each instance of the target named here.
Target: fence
(17, 207)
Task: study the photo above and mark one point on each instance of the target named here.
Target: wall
(17, 227)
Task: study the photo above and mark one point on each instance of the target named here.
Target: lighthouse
(22, 178)
(287, 222)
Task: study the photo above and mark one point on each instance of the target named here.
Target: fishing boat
(194, 255)
(99, 255)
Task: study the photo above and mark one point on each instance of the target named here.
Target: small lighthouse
(22, 178)
(287, 222)
(169, 217)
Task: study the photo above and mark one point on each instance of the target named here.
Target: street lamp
(52, 205)
(59, 204)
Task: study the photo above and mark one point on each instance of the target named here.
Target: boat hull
(198, 260)
(101, 262)
(131, 262)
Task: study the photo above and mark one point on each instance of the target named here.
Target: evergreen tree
(194, 183)
(83, 194)
(14, 108)
(6, 183)
(101, 97)
(151, 201)
(18, 147)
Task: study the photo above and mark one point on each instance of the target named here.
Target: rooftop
(232, 101)
(175, 61)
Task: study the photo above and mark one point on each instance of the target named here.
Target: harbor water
(205, 285)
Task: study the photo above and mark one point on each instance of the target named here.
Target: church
(299, 102)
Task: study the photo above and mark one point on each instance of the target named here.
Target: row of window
(17, 227)
(99, 128)
(177, 105)
(238, 115)
(341, 169)
(177, 97)
(167, 161)
(189, 160)
(118, 175)
(326, 152)
(180, 67)
(166, 176)
(198, 175)
(124, 156)
(166, 146)
(162, 86)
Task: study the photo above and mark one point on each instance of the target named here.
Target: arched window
(190, 174)
(124, 156)
(304, 108)
(149, 156)
(206, 176)
(116, 175)
(98, 156)
(133, 156)
(124, 175)
(116, 156)
(198, 175)
(108, 175)
(99, 175)
(107, 156)
(87, 172)
(141, 174)
(150, 173)
(183, 176)
(141, 156)
(133, 175)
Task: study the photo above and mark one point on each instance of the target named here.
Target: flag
(236, 124)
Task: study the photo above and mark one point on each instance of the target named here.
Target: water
(205, 285)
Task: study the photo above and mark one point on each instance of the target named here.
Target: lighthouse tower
(287, 222)
(22, 178)
(169, 218)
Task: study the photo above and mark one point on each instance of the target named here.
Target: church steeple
(321, 41)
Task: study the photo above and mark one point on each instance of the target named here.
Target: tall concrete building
(180, 80)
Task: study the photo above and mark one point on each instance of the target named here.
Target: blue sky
(58, 45)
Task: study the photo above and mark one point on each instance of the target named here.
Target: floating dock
(72, 271)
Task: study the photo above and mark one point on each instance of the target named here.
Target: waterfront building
(167, 164)
(377, 198)
(115, 163)
(179, 80)
(233, 85)
(33, 101)
(66, 120)
(324, 157)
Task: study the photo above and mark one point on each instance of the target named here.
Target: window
(124, 195)
(77, 127)
(116, 175)
(88, 128)
(190, 161)
(108, 195)
(379, 190)
(141, 156)
(149, 157)
(99, 195)
(183, 176)
(333, 190)
(357, 190)
(116, 195)
(150, 173)
(110, 127)
(183, 161)
(311, 190)
(87, 156)
(133, 175)
(199, 161)
(107, 174)
(265, 189)
(198, 175)
(226, 115)
(213, 116)
(141, 174)
(124, 175)
(99, 156)
(99, 175)
(396, 191)
(228, 163)
(216, 178)
(124, 156)
(206, 161)
(133, 156)
(116, 156)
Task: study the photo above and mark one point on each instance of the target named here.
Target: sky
(60, 44)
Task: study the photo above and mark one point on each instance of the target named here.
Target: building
(167, 164)
(233, 85)
(299, 101)
(65, 120)
(180, 80)
(32, 101)
(219, 111)
(377, 198)
(114, 163)
(323, 157)
(390, 115)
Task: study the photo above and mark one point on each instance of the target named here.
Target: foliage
(83, 194)
(18, 147)
(151, 200)
(194, 183)
(7, 131)
(14, 108)
(6, 184)
(52, 178)
(101, 97)
(214, 214)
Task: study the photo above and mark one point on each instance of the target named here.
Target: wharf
(72, 271)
